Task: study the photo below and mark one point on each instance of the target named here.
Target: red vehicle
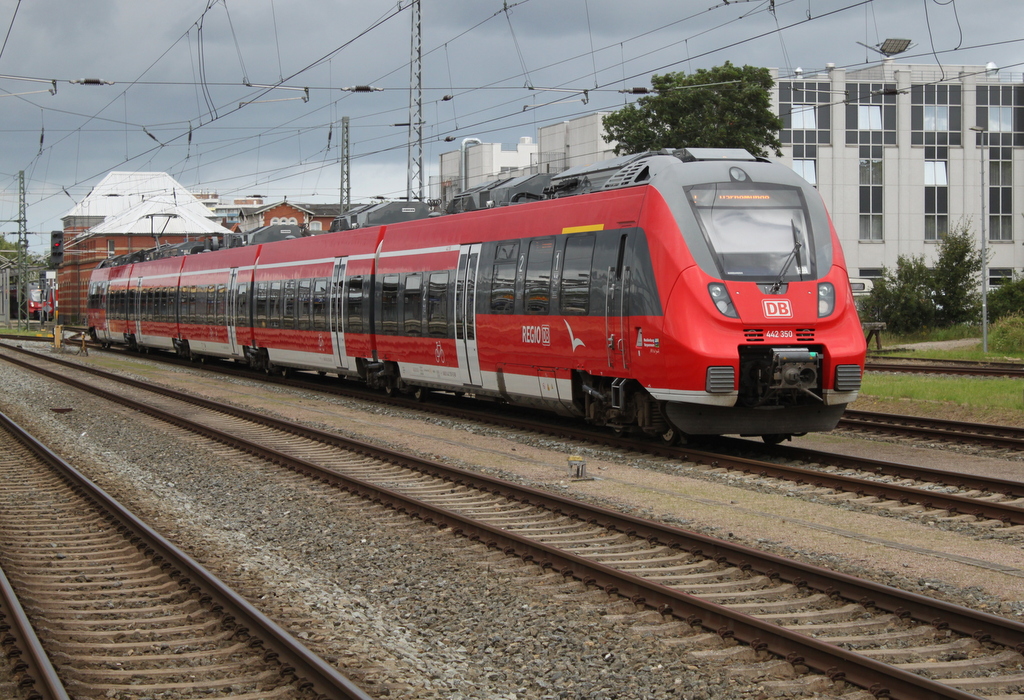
(696, 292)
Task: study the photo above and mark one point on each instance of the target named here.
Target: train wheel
(419, 393)
(669, 437)
(775, 438)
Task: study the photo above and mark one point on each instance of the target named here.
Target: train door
(337, 318)
(135, 306)
(232, 311)
(616, 310)
(465, 315)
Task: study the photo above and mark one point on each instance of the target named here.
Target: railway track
(121, 610)
(887, 484)
(704, 589)
(912, 365)
(998, 436)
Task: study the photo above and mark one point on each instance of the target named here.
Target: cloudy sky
(184, 75)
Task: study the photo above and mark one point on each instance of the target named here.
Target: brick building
(123, 213)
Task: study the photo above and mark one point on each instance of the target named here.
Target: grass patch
(1006, 394)
(973, 353)
(932, 334)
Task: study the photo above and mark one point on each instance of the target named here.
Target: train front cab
(762, 311)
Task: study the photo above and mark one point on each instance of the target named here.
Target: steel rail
(952, 503)
(294, 657)
(39, 677)
(955, 367)
(834, 661)
(1008, 437)
(1006, 487)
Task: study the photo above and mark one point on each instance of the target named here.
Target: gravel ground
(402, 610)
(410, 613)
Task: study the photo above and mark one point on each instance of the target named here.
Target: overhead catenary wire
(492, 117)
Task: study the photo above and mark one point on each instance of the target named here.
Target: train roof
(615, 173)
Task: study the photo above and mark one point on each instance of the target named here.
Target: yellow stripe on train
(581, 229)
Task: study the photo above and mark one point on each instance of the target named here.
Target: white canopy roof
(161, 217)
(118, 191)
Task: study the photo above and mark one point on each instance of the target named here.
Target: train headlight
(720, 297)
(826, 299)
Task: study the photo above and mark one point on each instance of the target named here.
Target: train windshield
(755, 231)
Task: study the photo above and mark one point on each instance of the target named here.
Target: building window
(1000, 119)
(316, 226)
(935, 173)
(804, 108)
(936, 200)
(804, 117)
(111, 248)
(999, 275)
(1000, 195)
(807, 169)
(1001, 108)
(870, 272)
(869, 117)
(936, 118)
(936, 115)
(871, 182)
(871, 114)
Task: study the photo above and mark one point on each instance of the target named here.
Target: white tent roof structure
(160, 216)
(119, 191)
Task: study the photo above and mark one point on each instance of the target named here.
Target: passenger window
(354, 305)
(242, 306)
(537, 292)
(437, 305)
(318, 304)
(575, 290)
(302, 311)
(503, 279)
(389, 305)
(413, 305)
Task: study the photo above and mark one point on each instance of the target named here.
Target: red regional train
(693, 292)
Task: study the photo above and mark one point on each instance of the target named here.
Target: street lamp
(984, 271)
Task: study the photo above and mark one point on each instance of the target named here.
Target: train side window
(413, 305)
(199, 308)
(389, 305)
(262, 302)
(222, 304)
(537, 290)
(302, 307)
(437, 305)
(576, 271)
(211, 305)
(274, 305)
(354, 305)
(288, 304)
(242, 305)
(318, 304)
(503, 281)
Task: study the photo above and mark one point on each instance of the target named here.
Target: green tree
(732, 110)
(955, 278)
(903, 299)
(1006, 300)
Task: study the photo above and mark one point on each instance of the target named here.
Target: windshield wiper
(793, 255)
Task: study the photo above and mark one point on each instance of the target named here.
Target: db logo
(777, 308)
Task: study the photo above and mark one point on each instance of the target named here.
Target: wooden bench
(874, 330)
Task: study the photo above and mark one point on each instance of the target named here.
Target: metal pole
(414, 188)
(983, 132)
(346, 187)
(22, 251)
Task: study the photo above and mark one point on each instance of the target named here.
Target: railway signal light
(56, 248)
